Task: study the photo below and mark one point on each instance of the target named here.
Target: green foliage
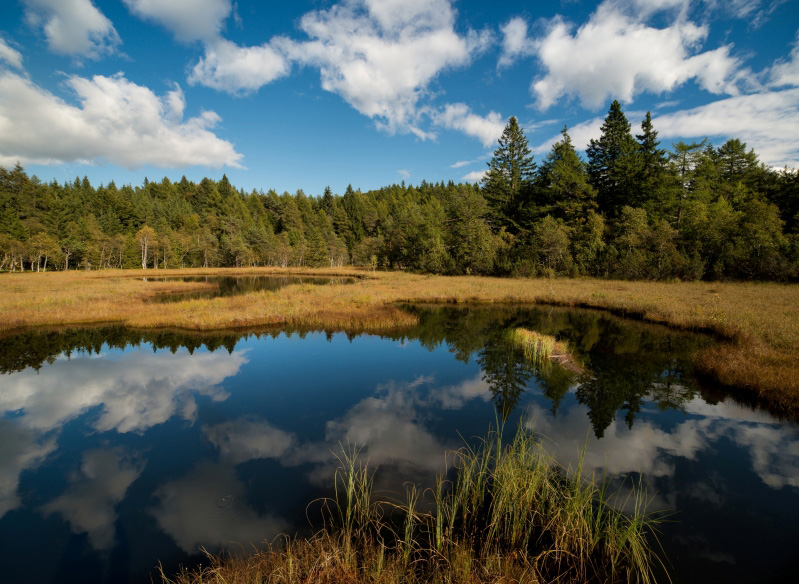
(632, 210)
(507, 184)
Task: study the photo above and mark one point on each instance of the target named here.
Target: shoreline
(756, 324)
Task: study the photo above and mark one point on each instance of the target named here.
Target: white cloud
(474, 176)
(458, 116)
(117, 122)
(229, 67)
(580, 134)
(786, 72)
(381, 55)
(9, 55)
(90, 500)
(188, 19)
(73, 27)
(514, 41)
(617, 55)
(404, 173)
(767, 122)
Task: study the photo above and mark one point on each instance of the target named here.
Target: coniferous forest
(633, 209)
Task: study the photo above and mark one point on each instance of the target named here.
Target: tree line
(630, 210)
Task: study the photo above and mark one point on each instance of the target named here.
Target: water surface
(120, 448)
(236, 285)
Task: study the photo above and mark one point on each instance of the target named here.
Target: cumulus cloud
(515, 42)
(117, 121)
(73, 27)
(458, 116)
(9, 55)
(189, 20)
(381, 55)
(616, 55)
(90, 500)
(234, 69)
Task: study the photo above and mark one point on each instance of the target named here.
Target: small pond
(121, 449)
(235, 285)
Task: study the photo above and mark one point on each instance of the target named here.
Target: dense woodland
(631, 210)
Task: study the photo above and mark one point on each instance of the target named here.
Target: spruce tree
(562, 182)
(612, 162)
(507, 184)
(652, 165)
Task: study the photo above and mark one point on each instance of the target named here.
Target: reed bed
(759, 322)
(510, 514)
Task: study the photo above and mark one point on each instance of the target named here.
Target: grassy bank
(510, 514)
(758, 322)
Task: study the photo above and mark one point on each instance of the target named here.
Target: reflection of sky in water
(145, 455)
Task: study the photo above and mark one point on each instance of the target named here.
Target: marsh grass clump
(509, 513)
(537, 348)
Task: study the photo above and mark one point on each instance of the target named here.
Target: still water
(236, 285)
(121, 449)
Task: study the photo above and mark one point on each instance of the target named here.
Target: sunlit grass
(758, 321)
(510, 514)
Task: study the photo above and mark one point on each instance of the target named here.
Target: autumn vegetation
(510, 513)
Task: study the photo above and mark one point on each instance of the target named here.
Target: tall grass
(510, 513)
(537, 348)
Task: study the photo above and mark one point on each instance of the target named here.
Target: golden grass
(760, 320)
(511, 514)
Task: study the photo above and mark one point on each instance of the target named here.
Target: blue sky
(309, 93)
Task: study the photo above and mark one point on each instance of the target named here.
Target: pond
(121, 449)
(235, 285)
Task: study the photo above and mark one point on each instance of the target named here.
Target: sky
(303, 94)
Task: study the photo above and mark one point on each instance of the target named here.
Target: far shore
(757, 323)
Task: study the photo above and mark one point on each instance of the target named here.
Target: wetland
(124, 448)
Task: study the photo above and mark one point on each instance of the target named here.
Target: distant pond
(120, 449)
(235, 285)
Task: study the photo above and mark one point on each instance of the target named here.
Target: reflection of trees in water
(627, 363)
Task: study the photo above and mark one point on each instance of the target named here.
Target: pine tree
(612, 162)
(507, 184)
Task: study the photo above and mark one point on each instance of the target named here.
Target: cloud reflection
(20, 449)
(90, 500)
(773, 448)
(136, 391)
(208, 507)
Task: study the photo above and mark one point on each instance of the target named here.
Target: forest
(631, 210)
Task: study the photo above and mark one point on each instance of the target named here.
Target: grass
(758, 322)
(510, 514)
